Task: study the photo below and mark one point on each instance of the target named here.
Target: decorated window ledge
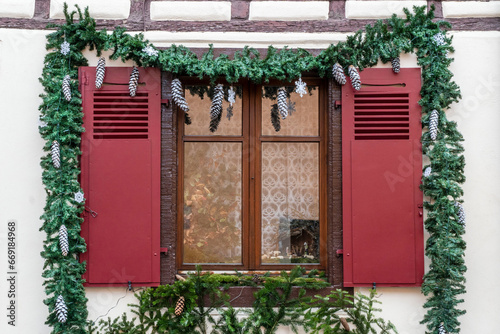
(61, 127)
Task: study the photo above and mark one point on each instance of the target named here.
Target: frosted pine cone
(354, 76)
(282, 105)
(100, 71)
(177, 95)
(396, 64)
(433, 124)
(61, 309)
(66, 87)
(216, 107)
(56, 154)
(133, 82)
(338, 74)
(63, 240)
(461, 213)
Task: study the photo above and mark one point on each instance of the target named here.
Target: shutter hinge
(164, 250)
(165, 102)
(340, 252)
(337, 104)
(85, 80)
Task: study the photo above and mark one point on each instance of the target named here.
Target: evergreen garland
(383, 40)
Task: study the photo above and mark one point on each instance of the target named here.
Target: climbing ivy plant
(61, 121)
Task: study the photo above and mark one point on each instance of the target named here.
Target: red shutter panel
(382, 168)
(120, 177)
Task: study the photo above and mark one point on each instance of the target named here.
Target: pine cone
(282, 106)
(216, 107)
(433, 124)
(187, 119)
(275, 118)
(179, 306)
(66, 87)
(428, 171)
(133, 82)
(338, 74)
(461, 213)
(56, 154)
(441, 329)
(229, 113)
(354, 76)
(63, 240)
(396, 64)
(256, 279)
(345, 324)
(61, 309)
(177, 95)
(100, 71)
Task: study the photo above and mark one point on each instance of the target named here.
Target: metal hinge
(165, 102)
(340, 252)
(337, 104)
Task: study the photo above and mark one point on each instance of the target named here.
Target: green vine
(62, 122)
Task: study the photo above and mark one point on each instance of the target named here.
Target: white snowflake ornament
(300, 87)
(231, 96)
(150, 51)
(79, 197)
(65, 48)
(427, 171)
(438, 39)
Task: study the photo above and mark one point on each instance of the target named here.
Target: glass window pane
(212, 202)
(303, 114)
(290, 203)
(199, 102)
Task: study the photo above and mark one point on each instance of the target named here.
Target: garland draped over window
(61, 126)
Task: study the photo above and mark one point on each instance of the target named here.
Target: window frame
(252, 139)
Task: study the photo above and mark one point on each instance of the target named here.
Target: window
(335, 188)
(251, 196)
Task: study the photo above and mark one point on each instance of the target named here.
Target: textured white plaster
(288, 10)
(378, 9)
(471, 9)
(239, 40)
(191, 10)
(22, 9)
(99, 9)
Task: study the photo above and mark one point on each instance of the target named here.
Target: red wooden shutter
(382, 168)
(121, 177)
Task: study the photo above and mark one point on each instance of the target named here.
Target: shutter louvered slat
(385, 106)
(118, 108)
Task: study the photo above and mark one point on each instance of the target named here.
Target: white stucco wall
(22, 196)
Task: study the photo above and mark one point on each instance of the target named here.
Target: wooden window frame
(330, 159)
